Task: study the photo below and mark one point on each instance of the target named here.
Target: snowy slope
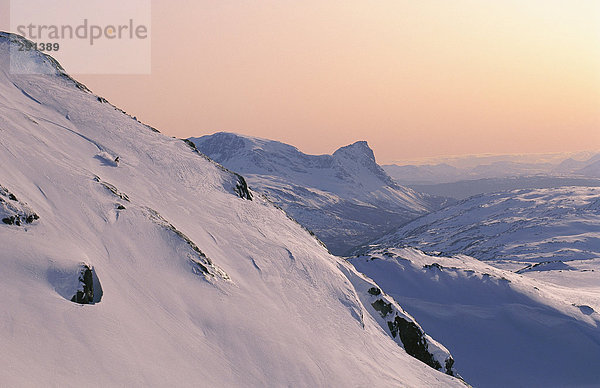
(191, 283)
(522, 226)
(505, 329)
(345, 198)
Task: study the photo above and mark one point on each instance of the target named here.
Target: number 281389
(41, 47)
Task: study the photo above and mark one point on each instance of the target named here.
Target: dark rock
(374, 291)
(112, 189)
(414, 341)
(12, 220)
(31, 217)
(449, 364)
(241, 188)
(86, 279)
(190, 144)
(383, 307)
(16, 220)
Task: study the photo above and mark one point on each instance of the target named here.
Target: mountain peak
(356, 150)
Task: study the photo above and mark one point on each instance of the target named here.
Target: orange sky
(414, 78)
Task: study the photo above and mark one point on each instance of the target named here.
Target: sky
(416, 79)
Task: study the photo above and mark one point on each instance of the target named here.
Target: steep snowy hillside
(129, 259)
(505, 329)
(513, 228)
(345, 198)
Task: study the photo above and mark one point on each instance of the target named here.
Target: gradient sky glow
(414, 78)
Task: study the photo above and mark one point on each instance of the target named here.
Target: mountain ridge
(345, 198)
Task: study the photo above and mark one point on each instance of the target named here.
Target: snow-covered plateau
(128, 258)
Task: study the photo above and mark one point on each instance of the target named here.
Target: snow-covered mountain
(505, 329)
(346, 198)
(512, 228)
(130, 259)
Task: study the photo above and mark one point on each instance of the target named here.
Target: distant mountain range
(346, 198)
(587, 165)
(479, 175)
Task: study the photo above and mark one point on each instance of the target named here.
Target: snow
(522, 226)
(199, 286)
(345, 198)
(504, 329)
(523, 308)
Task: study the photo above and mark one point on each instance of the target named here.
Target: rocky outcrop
(201, 264)
(13, 211)
(85, 292)
(112, 189)
(241, 188)
(400, 325)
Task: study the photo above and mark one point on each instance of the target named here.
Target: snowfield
(514, 228)
(192, 280)
(505, 329)
(523, 308)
